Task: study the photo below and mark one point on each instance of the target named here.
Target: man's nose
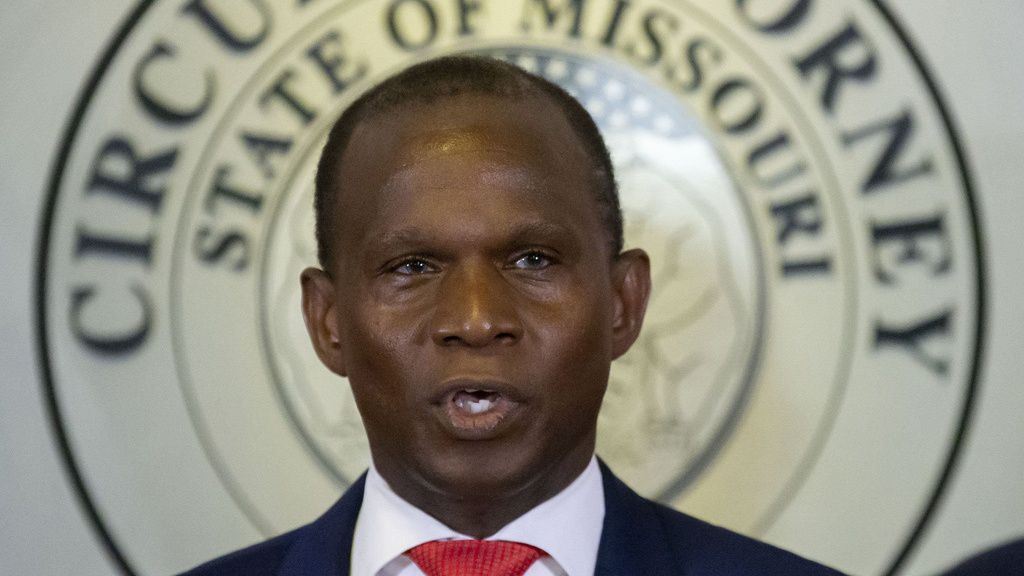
(475, 308)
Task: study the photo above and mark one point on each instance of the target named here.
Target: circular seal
(811, 349)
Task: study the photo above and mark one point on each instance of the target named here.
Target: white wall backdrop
(48, 49)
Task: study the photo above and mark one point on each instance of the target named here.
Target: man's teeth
(468, 400)
(479, 405)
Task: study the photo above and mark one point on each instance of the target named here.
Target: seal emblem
(810, 353)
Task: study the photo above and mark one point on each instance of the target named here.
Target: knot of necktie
(474, 557)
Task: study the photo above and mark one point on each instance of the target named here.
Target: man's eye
(411, 267)
(533, 261)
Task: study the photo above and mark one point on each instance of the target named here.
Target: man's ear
(318, 309)
(632, 278)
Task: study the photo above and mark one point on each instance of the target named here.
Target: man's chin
(503, 474)
(485, 475)
(438, 469)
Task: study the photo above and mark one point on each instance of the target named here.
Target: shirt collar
(567, 526)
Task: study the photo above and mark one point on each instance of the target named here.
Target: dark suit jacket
(639, 537)
(1006, 559)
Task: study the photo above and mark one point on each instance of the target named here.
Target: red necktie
(474, 557)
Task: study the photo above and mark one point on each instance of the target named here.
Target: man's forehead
(494, 144)
(506, 140)
(394, 161)
(455, 140)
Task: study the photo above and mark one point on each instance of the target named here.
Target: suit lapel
(633, 539)
(324, 547)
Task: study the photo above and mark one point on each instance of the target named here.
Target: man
(474, 291)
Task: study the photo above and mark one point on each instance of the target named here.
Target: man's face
(474, 304)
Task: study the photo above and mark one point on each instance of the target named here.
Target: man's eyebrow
(521, 233)
(543, 230)
(399, 237)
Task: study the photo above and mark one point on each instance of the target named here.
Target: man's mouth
(475, 401)
(476, 411)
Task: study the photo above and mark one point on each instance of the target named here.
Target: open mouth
(474, 412)
(475, 401)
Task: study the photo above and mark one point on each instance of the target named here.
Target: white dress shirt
(567, 527)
